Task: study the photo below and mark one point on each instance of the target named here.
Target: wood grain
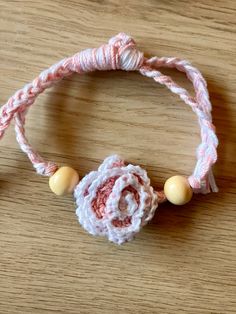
(182, 262)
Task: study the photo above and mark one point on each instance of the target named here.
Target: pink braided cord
(120, 54)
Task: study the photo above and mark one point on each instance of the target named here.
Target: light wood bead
(63, 181)
(177, 190)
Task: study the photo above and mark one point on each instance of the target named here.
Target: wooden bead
(63, 181)
(177, 190)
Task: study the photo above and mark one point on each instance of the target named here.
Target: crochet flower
(115, 201)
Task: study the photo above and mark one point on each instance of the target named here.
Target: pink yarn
(99, 212)
(120, 53)
(115, 201)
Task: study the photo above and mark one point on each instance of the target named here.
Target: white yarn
(120, 204)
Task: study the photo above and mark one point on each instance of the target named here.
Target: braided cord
(120, 53)
(202, 178)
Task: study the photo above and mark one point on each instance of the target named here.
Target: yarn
(120, 53)
(117, 200)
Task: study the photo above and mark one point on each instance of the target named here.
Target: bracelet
(117, 200)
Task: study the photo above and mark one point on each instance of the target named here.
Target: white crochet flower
(115, 201)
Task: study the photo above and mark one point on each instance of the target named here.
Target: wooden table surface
(184, 260)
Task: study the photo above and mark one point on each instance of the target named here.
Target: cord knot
(127, 56)
(119, 54)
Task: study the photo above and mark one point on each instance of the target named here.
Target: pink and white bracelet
(117, 199)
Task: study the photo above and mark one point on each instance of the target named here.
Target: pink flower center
(102, 195)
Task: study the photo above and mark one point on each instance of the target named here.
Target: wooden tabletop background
(184, 260)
